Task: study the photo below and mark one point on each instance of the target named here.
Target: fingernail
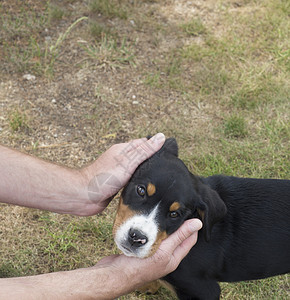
(158, 138)
(195, 225)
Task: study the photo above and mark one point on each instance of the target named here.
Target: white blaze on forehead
(147, 224)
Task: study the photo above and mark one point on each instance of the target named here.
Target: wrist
(124, 274)
(84, 205)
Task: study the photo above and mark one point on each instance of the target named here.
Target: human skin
(31, 182)
(111, 277)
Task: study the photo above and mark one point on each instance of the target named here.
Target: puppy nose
(137, 238)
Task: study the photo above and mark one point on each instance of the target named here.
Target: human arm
(32, 182)
(112, 277)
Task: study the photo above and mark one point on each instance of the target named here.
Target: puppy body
(250, 242)
(246, 223)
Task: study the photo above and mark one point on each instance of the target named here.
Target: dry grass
(213, 74)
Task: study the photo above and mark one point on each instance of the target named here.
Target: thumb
(179, 243)
(184, 247)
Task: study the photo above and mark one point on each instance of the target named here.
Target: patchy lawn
(79, 76)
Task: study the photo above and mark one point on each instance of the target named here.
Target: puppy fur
(246, 223)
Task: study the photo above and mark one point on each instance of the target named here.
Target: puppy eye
(174, 214)
(141, 190)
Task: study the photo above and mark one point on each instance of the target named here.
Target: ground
(79, 76)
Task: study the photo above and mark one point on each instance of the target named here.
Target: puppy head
(159, 197)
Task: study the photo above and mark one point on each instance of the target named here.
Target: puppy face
(156, 201)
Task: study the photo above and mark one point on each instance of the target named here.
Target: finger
(136, 143)
(155, 142)
(148, 148)
(182, 250)
(131, 145)
(178, 237)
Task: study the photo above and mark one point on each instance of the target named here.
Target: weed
(194, 27)
(174, 65)
(153, 80)
(55, 13)
(37, 58)
(18, 120)
(110, 53)
(246, 98)
(236, 127)
(107, 8)
(54, 49)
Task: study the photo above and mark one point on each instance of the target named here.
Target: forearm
(31, 182)
(112, 277)
(90, 283)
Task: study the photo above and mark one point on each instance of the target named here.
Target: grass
(108, 8)
(98, 30)
(152, 80)
(217, 80)
(55, 13)
(18, 120)
(36, 57)
(235, 127)
(194, 28)
(111, 53)
(254, 289)
(260, 89)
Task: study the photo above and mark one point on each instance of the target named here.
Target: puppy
(246, 223)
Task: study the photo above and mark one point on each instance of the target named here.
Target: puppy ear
(170, 146)
(211, 209)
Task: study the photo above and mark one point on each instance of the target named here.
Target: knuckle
(162, 257)
(181, 236)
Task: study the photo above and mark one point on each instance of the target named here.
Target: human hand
(138, 271)
(112, 277)
(112, 170)
(59, 189)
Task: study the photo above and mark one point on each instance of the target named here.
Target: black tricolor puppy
(246, 223)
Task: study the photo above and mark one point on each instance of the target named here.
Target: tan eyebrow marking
(174, 206)
(151, 189)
